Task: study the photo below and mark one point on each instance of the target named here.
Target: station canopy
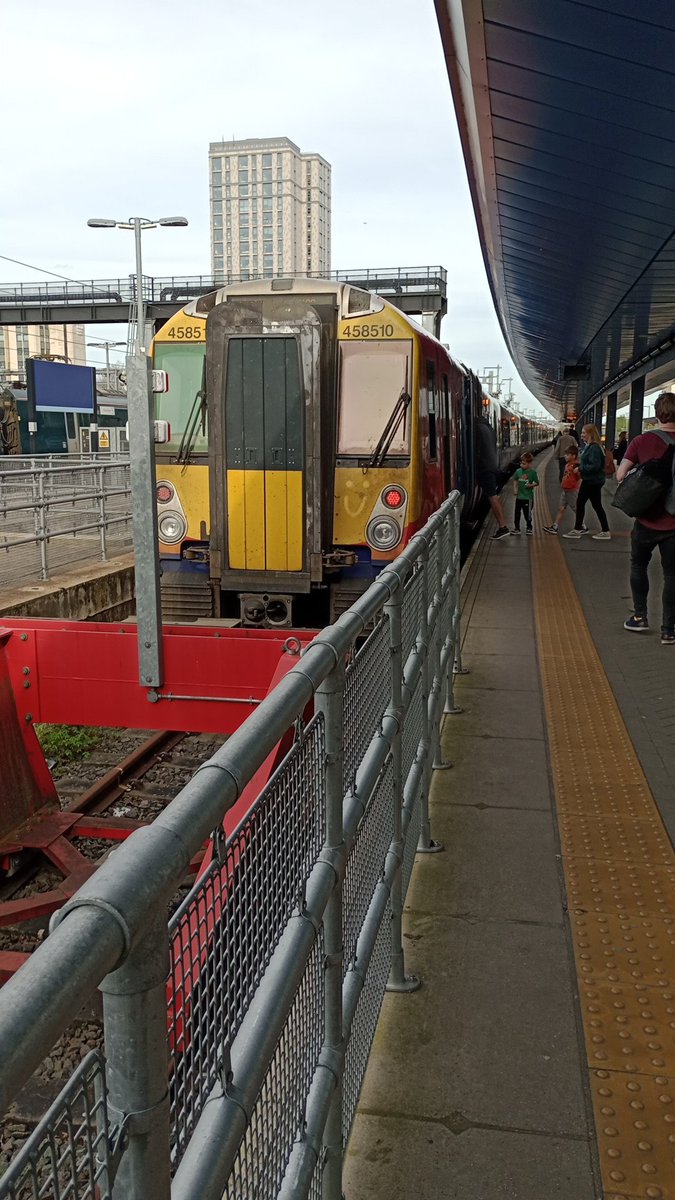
(566, 112)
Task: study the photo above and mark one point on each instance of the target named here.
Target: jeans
(592, 492)
(522, 506)
(643, 542)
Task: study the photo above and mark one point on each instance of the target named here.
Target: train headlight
(172, 527)
(383, 533)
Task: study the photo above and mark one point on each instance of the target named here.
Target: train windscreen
(373, 377)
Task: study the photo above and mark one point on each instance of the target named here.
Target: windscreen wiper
(388, 433)
(197, 414)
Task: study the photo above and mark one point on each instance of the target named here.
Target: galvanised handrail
(44, 502)
(279, 960)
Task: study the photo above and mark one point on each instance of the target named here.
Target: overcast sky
(118, 105)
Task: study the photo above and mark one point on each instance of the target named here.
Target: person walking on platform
(656, 529)
(566, 441)
(569, 489)
(525, 481)
(592, 470)
(620, 447)
(487, 466)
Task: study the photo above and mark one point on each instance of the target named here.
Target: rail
(55, 513)
(160, 290)
(279, 957)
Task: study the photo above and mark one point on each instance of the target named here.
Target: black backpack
(649, 484)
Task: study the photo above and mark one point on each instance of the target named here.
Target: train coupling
(265, 610)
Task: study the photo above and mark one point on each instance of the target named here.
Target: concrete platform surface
(476, 1088)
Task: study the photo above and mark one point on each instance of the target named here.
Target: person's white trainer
(602, 537)
(573, 533)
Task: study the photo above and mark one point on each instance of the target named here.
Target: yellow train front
(311, 439)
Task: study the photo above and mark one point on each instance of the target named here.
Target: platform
(536, 1025)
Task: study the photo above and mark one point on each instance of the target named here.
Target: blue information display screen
(63, 387)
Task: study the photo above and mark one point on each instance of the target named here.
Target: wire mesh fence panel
(413, 729)
(411, 616)
(67, 1157)
(278, 1115)
(366, 861)
(365, 1020)
(432, 570)
(316, 1186)
(225, 933)
(412, 838)
(367, 694)
(445, 536)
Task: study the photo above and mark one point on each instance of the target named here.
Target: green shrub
(65, 743)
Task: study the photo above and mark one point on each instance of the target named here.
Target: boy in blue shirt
(525, 481)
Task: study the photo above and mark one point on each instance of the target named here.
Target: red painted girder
(83, 673)
(10, 961)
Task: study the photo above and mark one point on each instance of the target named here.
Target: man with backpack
(654, 528)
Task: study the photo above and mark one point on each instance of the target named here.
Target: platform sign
(61, 387)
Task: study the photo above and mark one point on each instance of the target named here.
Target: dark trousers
(522, 507)
(592, 492)
(643, 542)
(561, 469)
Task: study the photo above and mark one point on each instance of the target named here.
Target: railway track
(128, 794)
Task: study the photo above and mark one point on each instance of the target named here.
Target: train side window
(431, 409)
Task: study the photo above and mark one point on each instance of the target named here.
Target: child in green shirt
(525, 481)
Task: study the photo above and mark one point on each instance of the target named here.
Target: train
(60, 432)
(314, 427)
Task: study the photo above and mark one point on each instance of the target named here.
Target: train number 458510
(368, 331)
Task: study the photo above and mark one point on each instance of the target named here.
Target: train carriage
(315, 428)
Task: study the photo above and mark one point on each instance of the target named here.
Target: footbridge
(415, 290)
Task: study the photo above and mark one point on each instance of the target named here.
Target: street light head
(172, 221)
(100, 223)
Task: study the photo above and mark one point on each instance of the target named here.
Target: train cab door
(264, 454)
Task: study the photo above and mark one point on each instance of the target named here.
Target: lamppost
(138, 224)
(142, 471)
(108, 346)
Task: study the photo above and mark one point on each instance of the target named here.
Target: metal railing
(279, 957)
(175, 288)
(54, 513)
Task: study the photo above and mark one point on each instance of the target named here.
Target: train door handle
(276, 454)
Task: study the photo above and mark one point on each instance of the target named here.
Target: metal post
(330, 702)
(144, 520)
(41, 525)
(456, 519)
(440, 684)
(137, 1066)
(398, 980)
(140, 307)
(30, 405)
(637, 399)
(610, 427)
(101, 511)
(426, 844)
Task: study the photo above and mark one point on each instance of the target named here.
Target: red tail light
(393, 497)
(164, 493)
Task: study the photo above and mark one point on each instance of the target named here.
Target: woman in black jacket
(592, 469)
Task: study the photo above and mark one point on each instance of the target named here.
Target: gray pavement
(476, 1087)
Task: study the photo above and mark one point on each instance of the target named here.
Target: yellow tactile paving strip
(620, 875)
